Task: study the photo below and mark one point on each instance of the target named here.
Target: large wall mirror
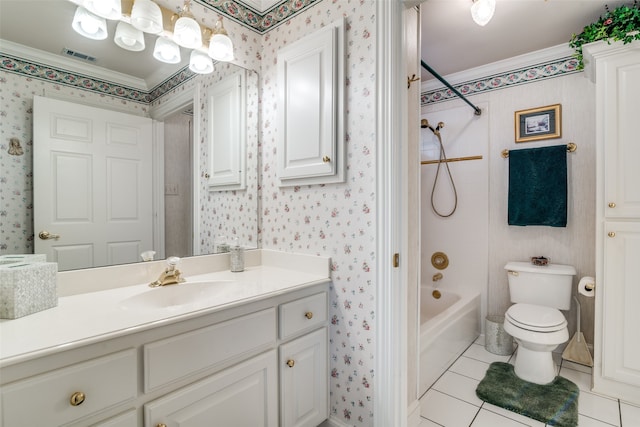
(192, 216)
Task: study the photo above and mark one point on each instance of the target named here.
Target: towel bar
(571, 147)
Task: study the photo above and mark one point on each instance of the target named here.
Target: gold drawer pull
(77, 398)
(326, 159)
(612, 234)
(290, 363)
(612, 205)
(308, 315)
(161, 425)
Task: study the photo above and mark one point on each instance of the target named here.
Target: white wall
(575, 244)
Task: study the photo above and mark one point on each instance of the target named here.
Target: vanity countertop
(86, 318)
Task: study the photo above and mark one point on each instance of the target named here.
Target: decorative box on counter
(27, 287)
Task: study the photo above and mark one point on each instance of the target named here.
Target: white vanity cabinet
(615, 69)
(223, 368)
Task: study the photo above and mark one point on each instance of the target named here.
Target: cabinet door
(310, 108)
(304, 380)
(241, 396)
(621, 295)
(621, 149)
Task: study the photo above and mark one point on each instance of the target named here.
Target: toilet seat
(536, 318)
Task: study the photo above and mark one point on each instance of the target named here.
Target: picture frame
(540, 123)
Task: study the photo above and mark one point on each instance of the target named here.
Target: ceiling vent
(79, 55)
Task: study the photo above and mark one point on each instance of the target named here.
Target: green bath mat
(555, 404)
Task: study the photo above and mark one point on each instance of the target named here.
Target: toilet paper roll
(587, 286)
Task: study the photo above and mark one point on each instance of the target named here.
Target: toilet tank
(548, 285)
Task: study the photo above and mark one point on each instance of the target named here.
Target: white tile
(584, 421)
(427, 423)
(491, 419)
(513, 415)
(458, 386)
(445, 410)
(478, 352)
(581, 379)
(630, 414)
(599, 408)
(471, 368)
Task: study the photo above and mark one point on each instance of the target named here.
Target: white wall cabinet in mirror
(311, 108)
(227, 134)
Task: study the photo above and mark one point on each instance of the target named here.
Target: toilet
(535, 320)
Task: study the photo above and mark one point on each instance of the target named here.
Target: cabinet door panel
(304, 380)
(621, 347)
(241, 396)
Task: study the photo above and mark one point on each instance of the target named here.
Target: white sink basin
(177, 296)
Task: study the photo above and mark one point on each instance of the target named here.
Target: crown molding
(58, 62)
(517, 62)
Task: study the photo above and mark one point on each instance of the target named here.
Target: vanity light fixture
(186, 31)
(482, 11)
(146, 16)
(199, 62)
(166, 51)
(89, 25)
(220, 45)
(136, 17)
(129, 38)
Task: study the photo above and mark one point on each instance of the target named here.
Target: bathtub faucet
(437, 276)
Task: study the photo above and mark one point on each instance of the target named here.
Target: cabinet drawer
(305, 313)
(46, 399)
(173, 358)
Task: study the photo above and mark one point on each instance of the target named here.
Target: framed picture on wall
(538, 123)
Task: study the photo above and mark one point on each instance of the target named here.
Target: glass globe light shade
(89, 25)
(221, 48)
(146, 16)
(108, 9)
(187, 33)
(128, 37)
(166, 51)
(200, 63)
(482, 11)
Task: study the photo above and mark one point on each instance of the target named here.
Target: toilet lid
(536, 317)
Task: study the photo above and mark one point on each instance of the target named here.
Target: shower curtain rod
(447, 84)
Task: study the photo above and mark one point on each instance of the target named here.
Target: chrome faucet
(170, 276)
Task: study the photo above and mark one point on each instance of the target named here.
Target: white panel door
(621, 294)
(227, 134)
(92, 184)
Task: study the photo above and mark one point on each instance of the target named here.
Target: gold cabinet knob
(612, 234)
(77, 398)
(161, 425)
(308, 315)
(612, 205)
(290, 363)
(326, 159)
(45, 235)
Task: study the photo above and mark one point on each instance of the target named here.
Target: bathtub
(448, 326)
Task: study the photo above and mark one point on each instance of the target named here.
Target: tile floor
(452, 401)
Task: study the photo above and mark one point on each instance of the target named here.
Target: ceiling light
(200, 63)
(220, 45)
(166, 51)
(128, 37)
(109, 9)
(186, 31)
(482, 11)
(146, 16)
(89, 25)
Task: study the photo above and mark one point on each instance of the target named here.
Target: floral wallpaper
(337, 220)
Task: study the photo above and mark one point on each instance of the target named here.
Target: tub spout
(437, 276)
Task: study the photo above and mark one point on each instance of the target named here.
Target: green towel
(538, 186)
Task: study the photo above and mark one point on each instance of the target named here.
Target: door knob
(45, 235)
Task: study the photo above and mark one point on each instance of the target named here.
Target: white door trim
(390, 404)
